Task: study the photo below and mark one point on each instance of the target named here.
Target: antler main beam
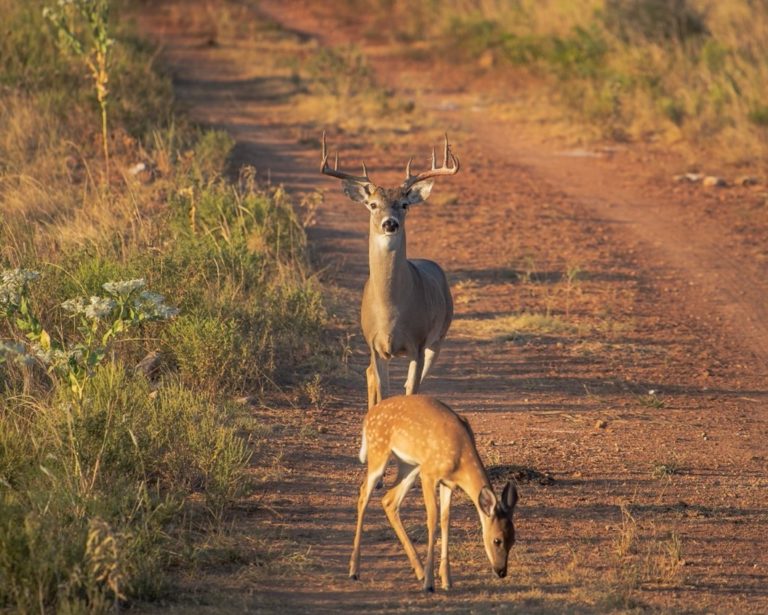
(435, 171)
(334, 172)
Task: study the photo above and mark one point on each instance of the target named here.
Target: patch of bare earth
(609, 347)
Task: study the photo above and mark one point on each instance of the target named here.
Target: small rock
(150, 365)
(601, 424)
(487, 59)
(712, 181)
(689, 177)
(137, 168)
(747, 180)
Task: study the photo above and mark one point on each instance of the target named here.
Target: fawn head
(498, 527)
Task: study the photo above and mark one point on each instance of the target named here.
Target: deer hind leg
(373, 387)
(377, 379)
(445, 519)
(414, 369)
(369, 482)
(428, 486)
(391, 501)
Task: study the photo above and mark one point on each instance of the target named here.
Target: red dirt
(670, 297)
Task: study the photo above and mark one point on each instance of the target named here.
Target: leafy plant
(99, 320)
(82, 28)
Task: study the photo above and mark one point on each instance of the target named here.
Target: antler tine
(435, 171)
(334, 172)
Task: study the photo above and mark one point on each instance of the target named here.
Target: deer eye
(372, 205)
(497, 542)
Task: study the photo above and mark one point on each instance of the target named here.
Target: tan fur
(407, 306)
(427, 438)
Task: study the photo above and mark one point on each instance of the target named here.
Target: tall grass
(98, 484)
(689, 72)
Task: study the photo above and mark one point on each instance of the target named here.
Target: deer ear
(419, 192)
(356, 191)
(509, 498)
(487, 501)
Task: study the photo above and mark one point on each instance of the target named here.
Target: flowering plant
(98, 320)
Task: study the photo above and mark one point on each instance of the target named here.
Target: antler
(334, 172)
(435, 171)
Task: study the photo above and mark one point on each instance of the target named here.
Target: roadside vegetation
(683, 72)
(141, 293)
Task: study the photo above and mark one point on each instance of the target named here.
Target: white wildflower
(164, 312)
(58, 356)
(12, 283)
(147, 298)
(75, 306)
(152, 305)
(18, 277)
(99, 307)
(123, 288)
(14, 351)
(11, 349)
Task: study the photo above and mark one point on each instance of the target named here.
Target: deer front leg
(414, 373)
(430, 356)
(445, 520)
(430, 501)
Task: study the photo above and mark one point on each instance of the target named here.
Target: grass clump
(509, 327)
(343, 90)
(111, 472)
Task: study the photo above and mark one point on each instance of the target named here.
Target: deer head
(498, 528)
(387, 206)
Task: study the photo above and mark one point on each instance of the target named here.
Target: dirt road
(610, 346)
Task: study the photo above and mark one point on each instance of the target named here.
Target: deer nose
(502, 573)
(390, 225)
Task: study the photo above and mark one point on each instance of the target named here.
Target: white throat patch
(388, 242)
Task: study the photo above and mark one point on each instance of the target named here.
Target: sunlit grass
(110, 474)
(507, 327)
(684, 72)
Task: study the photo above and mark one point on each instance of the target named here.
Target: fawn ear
(509, 498)
(357, 191)
(487, 501)
(419, 192)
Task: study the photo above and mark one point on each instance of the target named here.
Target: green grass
(103, 495)
(686, 72)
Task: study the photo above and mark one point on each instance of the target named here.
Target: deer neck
(389, 270)
(473, 478)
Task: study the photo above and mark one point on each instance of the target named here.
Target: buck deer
(407, 305)
(426, 437)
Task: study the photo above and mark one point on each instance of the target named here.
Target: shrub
(658, 21)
